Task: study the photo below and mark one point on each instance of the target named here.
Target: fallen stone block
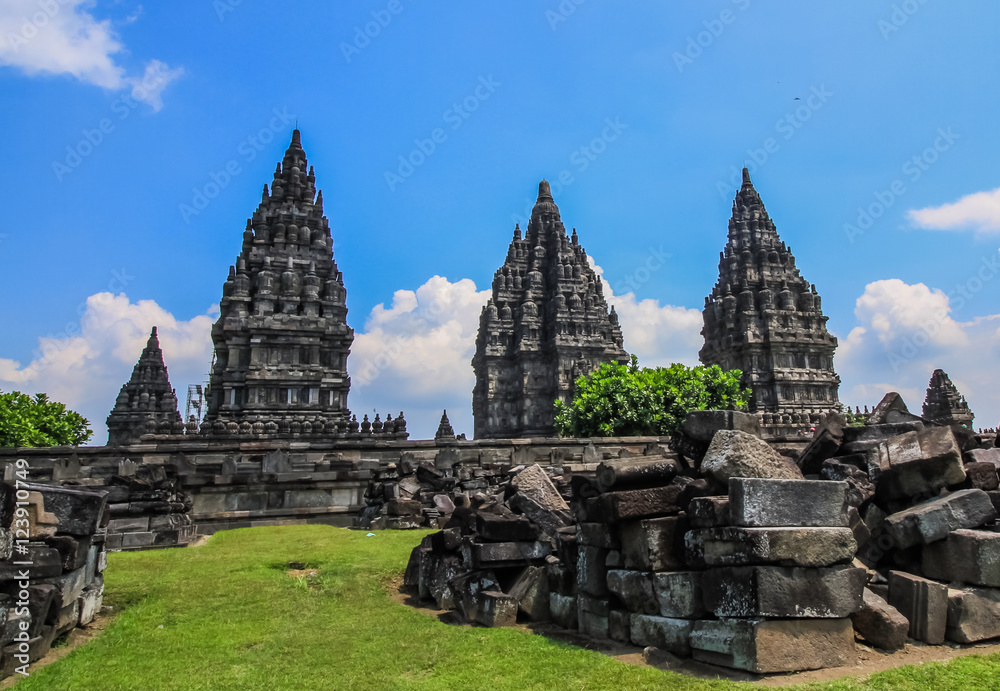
(916, 464)
(37, 649)
(991, 456)
(708, 512)
(562, 578)
(862, 533)
(137, 540)
(678, 594)
(863, 439)
(735, 454)
(620, 625)
(813, 547)
(891, 409)
(538, 499)
(970, 556)
(531, 591)
(973, 615)
(593, 616)
(494, 528)
(825, 444)
(700, 426)
(78, 512)
(403, 507)
(68, 586)
(72, 550)
(860, 489)
(592, 570)
(640, 503)
(91, 600)
(934, 520)
(880, 623)
(443, 503)
(672, 635)
(761, 503)
(563, 609)
(924, 603)
(784, 593)
(981, 475)
(468, 589)
(655, 544)
(497, 609)
(68, 618)
(633, 474)
(496, 554)
(46, 562)
(598, 535)
(770, 647)
(635, 590)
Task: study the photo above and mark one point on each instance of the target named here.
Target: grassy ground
(226, 615)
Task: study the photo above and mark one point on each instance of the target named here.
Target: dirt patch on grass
(870, 660)
(302, 573)
(74, 639)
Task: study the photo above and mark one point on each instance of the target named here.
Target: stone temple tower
(546, 324)
(944, 403)
(766, 320)
(282, 339)
(147, 403)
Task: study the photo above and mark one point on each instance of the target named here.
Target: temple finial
(544, 191)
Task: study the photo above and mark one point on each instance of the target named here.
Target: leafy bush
(27, 421)
(624, 400)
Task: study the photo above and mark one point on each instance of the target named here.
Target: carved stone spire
(765, 319)
(944, 403)
(547, 318)
(445, 432)
(146, 403)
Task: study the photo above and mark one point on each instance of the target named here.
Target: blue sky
(645, 111)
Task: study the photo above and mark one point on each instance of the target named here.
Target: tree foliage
(624, 400)
(37, 421)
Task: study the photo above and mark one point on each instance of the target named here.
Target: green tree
(37, 421)
(624, 400)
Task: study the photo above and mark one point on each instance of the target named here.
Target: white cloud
(85, 368)
(904, 333)
(979, 212)
(62, 37)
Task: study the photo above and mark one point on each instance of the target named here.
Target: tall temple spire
(146, 403)
(282, 339)
(765, 319)
(546, 324)
(944, 403)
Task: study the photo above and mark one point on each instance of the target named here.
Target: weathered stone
(924, 603)
(137, 540)
(531, 591)
(592, 571)
(825, 444)
(72, 551)
(973, 614)
(130, 420)
(41, 523)
(563, 609)
(598, 535)
(496, 528)
(916, 464)
(860, 489)
(981, 475)
(593, 616)
(444, 504)
(970, 556)
(46, 562)
(991, 456)
(701, 425)
(760, 503)
(620, 625)
(862, 534)
(770, 647)
(497, 609)
(880, 623)
(537, 498)
(672, 635)
(783, 592)
(678, 594)
(734, 454)
(91, 600)
(890, 410)
(636, 473)
(944, 404)
(68, 617)
(468, 589)
(861, 440)
(708, 512)
(934, 520)
(734, 546)
(655, 544)
(403, 507)
(640, 503)
(69, 585)
(496, 554)
(635, 590)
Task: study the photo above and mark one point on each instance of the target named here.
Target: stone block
(598, 535)
(880, 623)
(91, 600)
(935, 519)
(762, 503)
(982, 475)
(772, 647)
(973, 615)
(37, 649)
(68, 618)
(497, 609)
(655, 544)
(615, 507)
(825, 444)
(672, 635)
(593, 615)
(538, 499)
(68, 586)
(678, 594)
(531, 591)
(635, 590)
(814, 547)
(132, 524)
(924, 603)
(73, 551)
(137, 540)
(496, 554)
(403, 507)
(46, 563)
(619, 625)
(563, 609)
(443, 570)
(991, 456)
(635, 473)
(592, 571)
(737, 454)
(708, 512)
(916, 464)
(784, 593)
(12, 622)
(970, 556)
(468, 589)
(495, 528)
(701, 425)
(79, 512)
(860, 488)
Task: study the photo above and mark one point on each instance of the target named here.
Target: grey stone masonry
(934, 520)
(971, 556)
(146, 403)
(765, 319)
(944, 403)
(759, 503)
(546, 324)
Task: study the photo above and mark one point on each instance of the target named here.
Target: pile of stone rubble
(735, 555)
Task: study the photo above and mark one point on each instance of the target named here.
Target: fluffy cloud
(979, 212)
(61, 37)
(84, 367)
(905, 332)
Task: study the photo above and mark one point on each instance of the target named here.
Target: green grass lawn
(227, 616)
